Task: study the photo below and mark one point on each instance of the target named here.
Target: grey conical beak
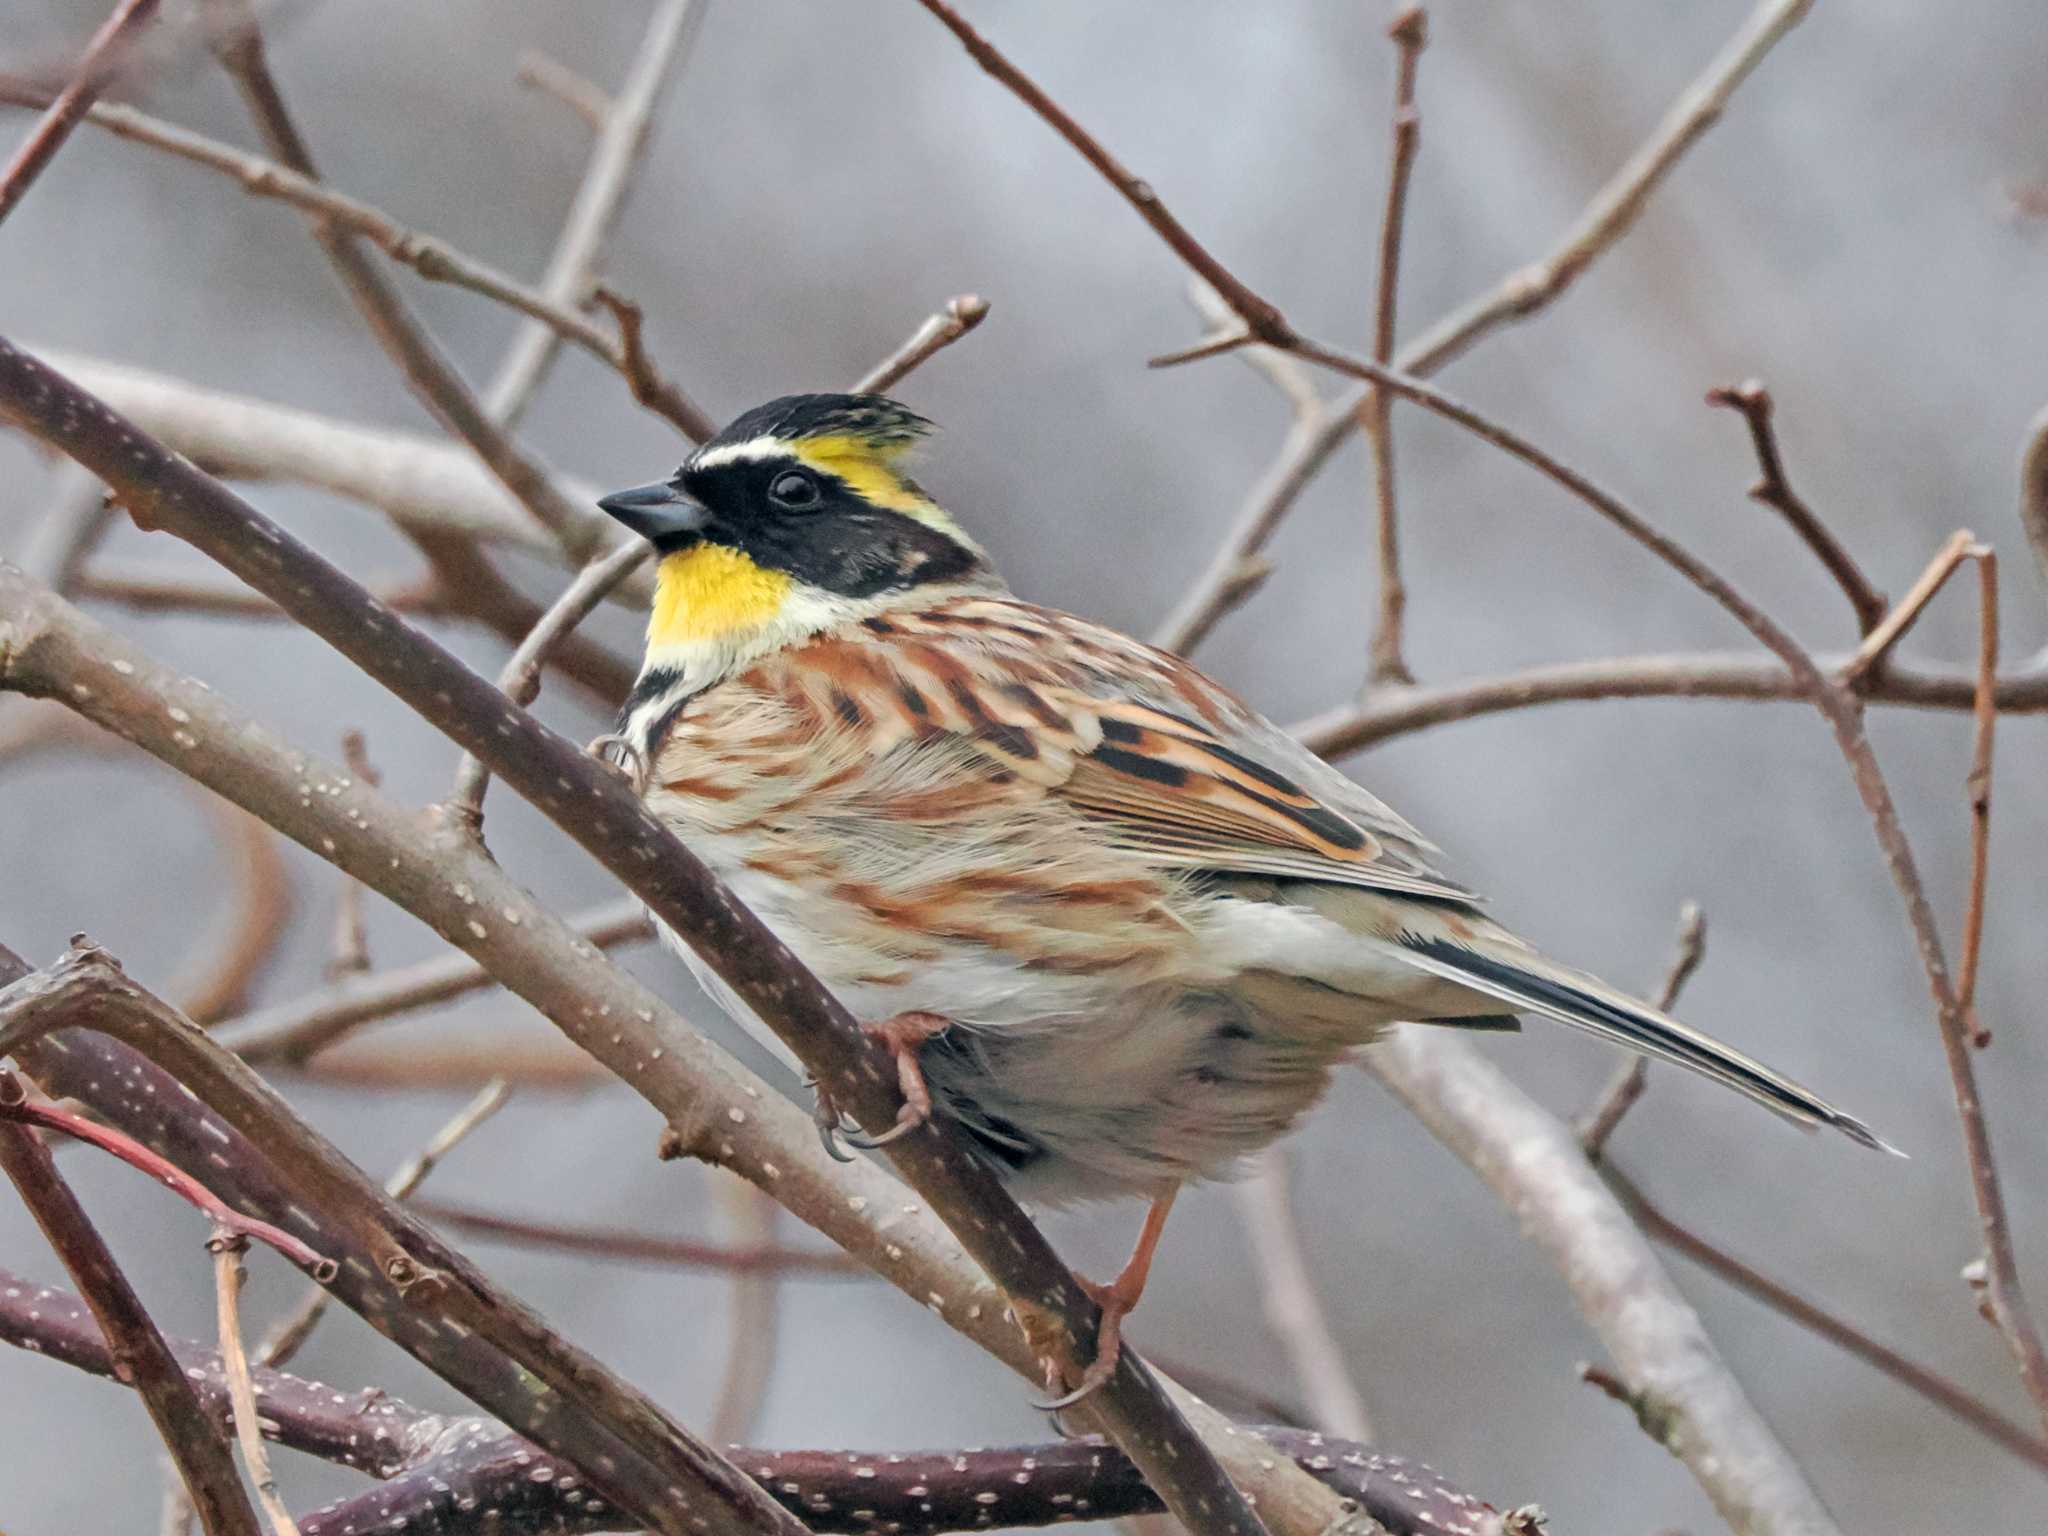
(658, 513)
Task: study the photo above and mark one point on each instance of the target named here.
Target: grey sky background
(821, 179)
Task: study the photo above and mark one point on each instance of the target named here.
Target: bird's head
(797, 516)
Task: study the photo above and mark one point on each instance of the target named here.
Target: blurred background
(823, 177)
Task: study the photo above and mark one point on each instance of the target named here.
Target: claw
(908, 1119)
(825, 1115)
(630, 763)
(1093, 1379)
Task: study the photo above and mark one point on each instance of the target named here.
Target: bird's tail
(1498, 966)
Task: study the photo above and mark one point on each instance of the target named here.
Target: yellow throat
(708, 592)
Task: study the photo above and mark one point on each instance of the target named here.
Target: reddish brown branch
(51, 130)
(133, 1350)
(1774, 490)
(18, 1107)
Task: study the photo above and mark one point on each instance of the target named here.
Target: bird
(1110, 921)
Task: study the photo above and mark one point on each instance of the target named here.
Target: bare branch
(960, 315)
(431, 257)
(18, 1107)
(1522, 293)
(1533, 1164)
(1262, 320)
(1626, 1085)
(54, 127)
(1401, 712)
(753, 1325)
(1979, 788)
(1410, 33)
(1774, 490)
(1294, 1311)
(133, 1350)
(647, 1464)
(1937, 1389)
(431, 376)
(621, 138)
(586, 98)
(634, 1246)
(643, 378)
(288, 1335)
(466, 1476)
(1616, 206)
(297, 1031)
(351, 953)
(144, 592)
(1891, 629)
(227, 1248)
(63, 541)
(520, 679)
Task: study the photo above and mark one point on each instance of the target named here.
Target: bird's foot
(622, 757)
(904, 1035)
(1116, 1305)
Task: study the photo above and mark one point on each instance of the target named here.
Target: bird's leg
(1116, 1300)
(904, 1035)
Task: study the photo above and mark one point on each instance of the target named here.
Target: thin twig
(297, 1031)
(1522, 293)
(135, 1352)
(17, 1106)
(520, 679)
(1774, 490)
(227, 1248)
(753, 1323)
(960, 315)
(1937, 1389)
(585, 97)
(57, 552)
(1294, 1309)
(288, 1335)
(432, 377)
(1626, 1085)
(632, 1245)
(621, 139)
(1978, 786)
(1391, 713)
(55, 125)
(649, 386)
(1891, 629)
(429, 256)
(351, 952)
(1261, 319)
(143, 591)
(1410, 33)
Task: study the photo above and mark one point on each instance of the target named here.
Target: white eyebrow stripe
(753, 448)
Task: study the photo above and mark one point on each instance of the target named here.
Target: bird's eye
(794, 491)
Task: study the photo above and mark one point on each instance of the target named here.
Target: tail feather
(1505, 970)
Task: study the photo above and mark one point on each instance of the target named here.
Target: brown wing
(1095, 720)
